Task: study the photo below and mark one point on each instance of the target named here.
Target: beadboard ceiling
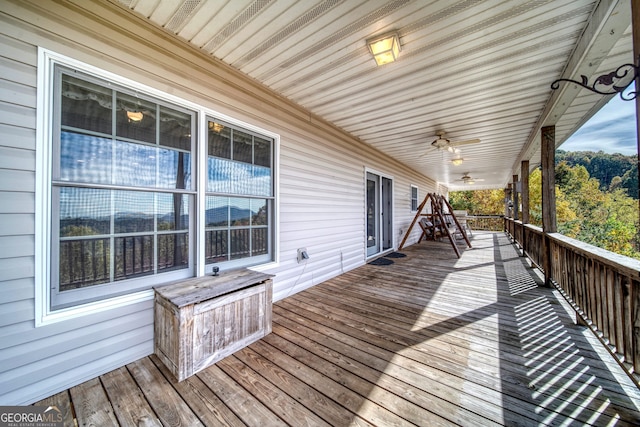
(473, 69)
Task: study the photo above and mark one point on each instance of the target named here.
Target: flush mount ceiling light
(216, 127)
(134, 116)
(385, 48)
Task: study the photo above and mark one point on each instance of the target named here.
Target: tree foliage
(604, 216)
(608, 169)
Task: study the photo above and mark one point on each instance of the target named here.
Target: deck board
(429, 340)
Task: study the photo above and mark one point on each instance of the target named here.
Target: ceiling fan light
(385, 48)
(457, 161)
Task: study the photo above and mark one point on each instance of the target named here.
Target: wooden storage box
(202, 320)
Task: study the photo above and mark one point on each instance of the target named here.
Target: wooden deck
(429, 340)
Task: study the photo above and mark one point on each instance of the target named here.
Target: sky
(612, 130)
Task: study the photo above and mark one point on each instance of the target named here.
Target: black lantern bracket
(610, 84)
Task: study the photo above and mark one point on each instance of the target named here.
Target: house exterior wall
(321, 186)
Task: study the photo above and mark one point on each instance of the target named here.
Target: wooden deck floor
(429, 340)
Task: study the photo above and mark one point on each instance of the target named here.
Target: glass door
(379, 234)
(373, 214)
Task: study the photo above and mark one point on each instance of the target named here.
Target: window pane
(242, 147)
(170, 207)
(84, 211)
(219, 140)
(262, 152)
(216, 246)
(259, 212)
(219, 175)
(175, 129)
(173, 251)
(136, 118)
(174, 169)
(134, 256)
(217, 211)
(133, 211)
(259, 241)
(240, 243)
(261, 182)
(83, 262)
(239, 212)
(85, 158)
(135, 164)
(86, 105)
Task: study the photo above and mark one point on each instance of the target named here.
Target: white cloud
(612, 130)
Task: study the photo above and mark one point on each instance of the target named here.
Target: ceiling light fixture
(216, 127)
(385, 48)
(134, 116)
(457, 161)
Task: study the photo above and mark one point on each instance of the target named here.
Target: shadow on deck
(427, 340)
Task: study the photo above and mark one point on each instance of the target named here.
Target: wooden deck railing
(603, 287)
(486, 222)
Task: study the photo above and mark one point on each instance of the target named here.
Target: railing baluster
(602, 286)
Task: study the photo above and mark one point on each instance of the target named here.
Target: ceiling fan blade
(467, 142)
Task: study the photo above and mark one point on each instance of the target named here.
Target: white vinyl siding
(319, 188)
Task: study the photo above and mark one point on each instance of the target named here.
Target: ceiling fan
(443, 143)
(466, 179)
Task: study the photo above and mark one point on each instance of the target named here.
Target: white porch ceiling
(473, 69)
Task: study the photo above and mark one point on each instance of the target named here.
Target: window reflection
(172, 211)
(84, 211)
(239, 211)
(262, 152)
(259, 212)
(133, 211)
(174, 169)
(219, 140)
(135, 118)
(85, 105)
(217, 211)
(242, 147)
(135, 164)
(175, 129)
(85, 158)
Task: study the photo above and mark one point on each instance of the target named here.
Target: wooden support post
(516, 202)
(549, 224)
(524, 189)
(635, 31)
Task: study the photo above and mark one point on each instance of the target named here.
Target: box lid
(198, 289)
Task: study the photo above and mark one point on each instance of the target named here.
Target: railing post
(549, 224)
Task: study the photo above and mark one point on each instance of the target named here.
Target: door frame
(384, 215)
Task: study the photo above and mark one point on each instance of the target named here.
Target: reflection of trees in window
(83, 262)
(239, 169)
(114, 139)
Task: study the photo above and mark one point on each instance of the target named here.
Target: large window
(239, 201)
(124, 196)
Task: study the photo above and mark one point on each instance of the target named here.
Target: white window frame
(417, 198)
(44, 120)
